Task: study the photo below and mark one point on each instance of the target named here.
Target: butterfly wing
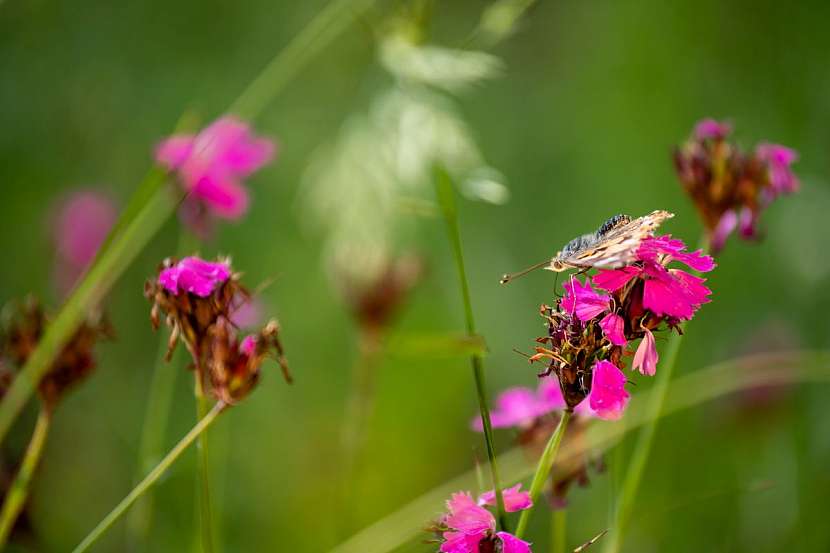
(618, 246)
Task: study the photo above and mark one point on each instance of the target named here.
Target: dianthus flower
(520, 407)
(468, 527)
(589, 331)
(200, 300)
(211, 166)
(729, 187)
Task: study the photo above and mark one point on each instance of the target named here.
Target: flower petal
(580, 299)
(194, 275)
(726, 225)
(225, 198)
(464, 515)
(613, 280)
(613, 326)
(608, 396)
(645, 359)
(514, 499)
(512, 544)
(710, 129)
(174, 151)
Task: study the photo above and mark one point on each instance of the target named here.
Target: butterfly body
(613, 245)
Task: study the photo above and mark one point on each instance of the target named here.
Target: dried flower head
(211, 166)
(23, 328)
(233, 364)
(201, 300)
(730, 187)
(468, 527)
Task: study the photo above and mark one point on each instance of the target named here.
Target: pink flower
(608, 396)
(581, 300)
(212, 163)
(514, 499)
(645, 359)
(194, 275)
(81, 225)
(709, 129)
(667, 292)
(246, 312)
(521, 406)
(613, 326)
(725, 227)
(469, 525)
(779, 159)
(248, 345)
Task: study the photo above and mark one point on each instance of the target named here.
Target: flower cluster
(589, 331)
(23, 327)
(199, 299)
(211, 166)
(467, 527)
(729, 187)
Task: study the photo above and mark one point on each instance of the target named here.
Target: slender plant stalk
(446, 197)
(19, 490)
(203, 469)
(559, 527)
(642, 449)
(150, 479)
(151, 206)
(543, 468)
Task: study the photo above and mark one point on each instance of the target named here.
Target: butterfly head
(556, 265)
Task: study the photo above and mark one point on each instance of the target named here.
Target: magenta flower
(581, 300)
(779, 158)
(212, 163)
(608, 396)
(645, 359)
(667, 292)
(520, 407)
(613, 327)
(81, 225)
(514, 499)
(709, 129)
(194, 275)
(470, 528)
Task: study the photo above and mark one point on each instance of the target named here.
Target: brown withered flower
(234, 365)
(199, 299)
(729, 187)
(23, 329)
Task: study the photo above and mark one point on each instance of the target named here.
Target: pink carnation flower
(469, 526)
(645, 359)
(710, 129)
(514, 499)
(581, 300)
(194, 275)
(779, 159)
(520, 406)
(608, 396)
(668, 292)
(81, 225)
(212, 164)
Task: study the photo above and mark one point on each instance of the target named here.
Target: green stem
(642, 449)
(151, 206)
(559, 526)
(543, 468)
(19, 490)
(203, 469)
(446, 197)
(645, 439)
(150, 479)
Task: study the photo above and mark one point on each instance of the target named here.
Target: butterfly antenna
(508, 277)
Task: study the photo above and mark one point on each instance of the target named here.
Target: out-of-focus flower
(468, 527)
(194, 275)
(200, 299)
(520, 407)
(608, 396)
(212, 165)
(514, 499)
(731, 188)
(246, 312)
(80, 225)
(22, 332)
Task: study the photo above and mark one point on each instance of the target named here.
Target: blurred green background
(591, 98)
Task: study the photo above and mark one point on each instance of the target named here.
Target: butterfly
(612, 246)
